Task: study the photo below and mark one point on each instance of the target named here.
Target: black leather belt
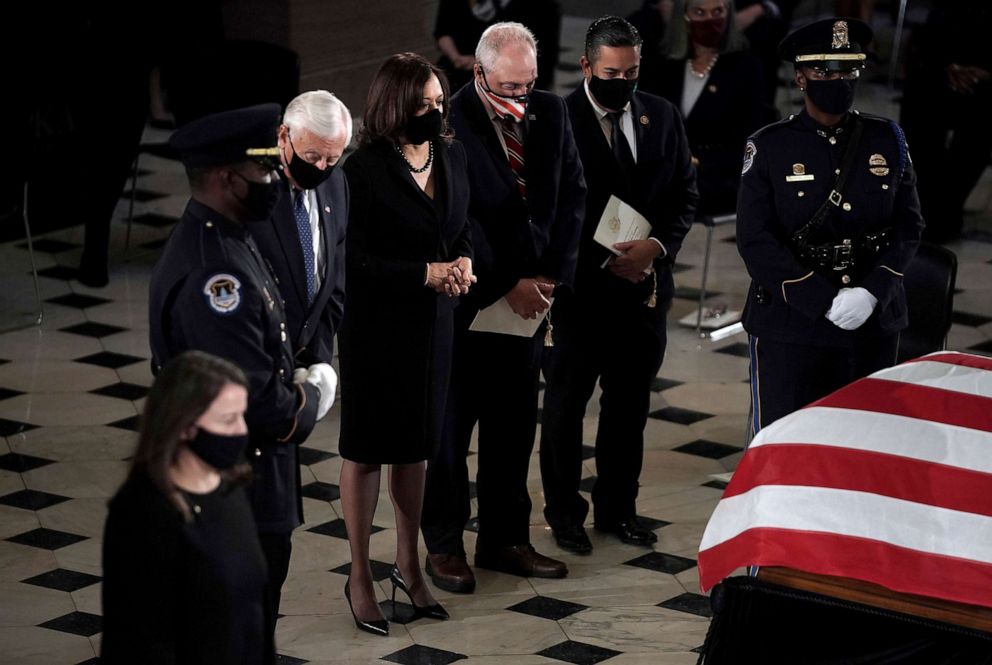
(848, 254)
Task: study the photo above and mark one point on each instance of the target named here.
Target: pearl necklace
(427, 164)
(705, 72)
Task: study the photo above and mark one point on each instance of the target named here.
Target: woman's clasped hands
(453, 278)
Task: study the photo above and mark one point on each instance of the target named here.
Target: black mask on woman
(834, 96)
(219, 450)
(262, 198)
(422, 128)
(305, 174)
(612, 94)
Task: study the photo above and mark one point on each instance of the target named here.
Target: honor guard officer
(827, 221)
(211, 291)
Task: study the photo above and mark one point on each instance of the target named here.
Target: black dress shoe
(435, 611)
(629, 531)
(378, 627)
(573, 539)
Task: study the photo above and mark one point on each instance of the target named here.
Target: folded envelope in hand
(620, 223)
(500, 318)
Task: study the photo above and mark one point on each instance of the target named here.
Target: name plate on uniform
(799, 178)
(620, 223)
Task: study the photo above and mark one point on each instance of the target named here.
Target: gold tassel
(652, 300)
(548, 339)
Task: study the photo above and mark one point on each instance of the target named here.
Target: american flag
(888, 480)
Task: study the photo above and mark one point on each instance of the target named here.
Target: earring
(802, 89)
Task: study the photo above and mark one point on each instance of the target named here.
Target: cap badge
(840, 39)
(798, 169)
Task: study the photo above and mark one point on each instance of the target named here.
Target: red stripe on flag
(913, 401)
(896, 568)
(864, 471)
(960, 359)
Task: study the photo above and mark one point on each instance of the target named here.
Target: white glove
(300, 375)
(322, 375)
(851, 308)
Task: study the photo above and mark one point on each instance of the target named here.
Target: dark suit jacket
(311, 328)
(729, 108)
(514, 238)
(392, 336)
(663, 188)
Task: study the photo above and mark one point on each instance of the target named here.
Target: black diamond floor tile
(399, 612)
(109, 359)
(650, 523)
(674, 414)
(419, 654)
(739, 349)
(143, 195)
(310, 456)
(658, 384)
(49, 246)
(93, 329)
(578, 653)
(155, 219)
(472, 524)
(46, 539)
(709, 449)
(132, 423)
(337, 529)
(547, 608)
(692, 293)
(588, 452)
(380, 570)
(59, 272)
(662, 563)
(77, 623)
(7, 393)
(321, 491)
(61, 579)
(587, 483)
(283, 659)
(12, 427)
(122, 390)
(716, 484)
(32, 499)
(77, 300)
(21, 463)
(984, 347)
(691, 603)
(968, 319)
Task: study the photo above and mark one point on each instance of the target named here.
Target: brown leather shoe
(450, 572)
(522, 560)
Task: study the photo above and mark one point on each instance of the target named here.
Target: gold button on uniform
(800, 193)
(884, 186)
(845, 279)
(258, 452)
(846, 207)
(833, 140)
(196, 508)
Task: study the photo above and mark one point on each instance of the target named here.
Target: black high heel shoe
(377, 627)
(434, 611)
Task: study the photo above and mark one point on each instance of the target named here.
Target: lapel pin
(644, 120)
(531, 116)
(327, 208)
(711, 88)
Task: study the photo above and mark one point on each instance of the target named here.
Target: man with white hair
(302, 242)
(527, 204)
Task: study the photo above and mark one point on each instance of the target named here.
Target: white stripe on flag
(906, 524)
(924, 440)
(958, 378)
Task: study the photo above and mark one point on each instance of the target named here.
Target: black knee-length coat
(395, 337)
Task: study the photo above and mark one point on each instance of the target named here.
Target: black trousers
(277, 548)
(620, 343)
(494, 384)
(786, 377)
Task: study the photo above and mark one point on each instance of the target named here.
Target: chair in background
(929, 282)
(230, 75)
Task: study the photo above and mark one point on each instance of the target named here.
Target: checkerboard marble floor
(72, 386)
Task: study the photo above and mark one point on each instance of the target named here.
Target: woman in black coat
(718, 85)
(183, 572)
(408, 257)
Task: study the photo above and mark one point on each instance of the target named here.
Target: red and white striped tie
(514, 152)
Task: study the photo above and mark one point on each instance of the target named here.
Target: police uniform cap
(228, 137)
(833, 44)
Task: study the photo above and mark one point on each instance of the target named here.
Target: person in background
(716, 82)
(183, 571)
(409, 256)
(827, 221)
(303, 239)
(457, 29)
(612, 328)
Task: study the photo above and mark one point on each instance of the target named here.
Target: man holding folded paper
(641, 201)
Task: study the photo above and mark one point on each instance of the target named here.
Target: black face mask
(218, 450)
(834, 97)
(262, 198)
(422, 128)
(305, 174)
(612, 94)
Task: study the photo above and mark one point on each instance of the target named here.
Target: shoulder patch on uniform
(223, 293)
(750, 150)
